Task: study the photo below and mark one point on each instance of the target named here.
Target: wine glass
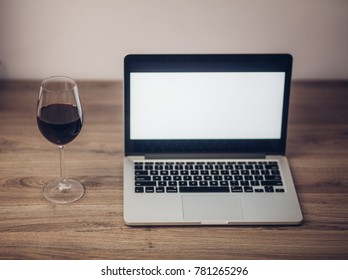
(59, 118)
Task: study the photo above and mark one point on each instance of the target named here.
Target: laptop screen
(206, 105)
(229, 103)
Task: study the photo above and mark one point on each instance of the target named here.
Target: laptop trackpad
(211, 208)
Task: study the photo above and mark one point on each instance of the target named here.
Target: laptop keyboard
(207, 177)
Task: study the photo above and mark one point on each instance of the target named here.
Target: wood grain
(93, 228)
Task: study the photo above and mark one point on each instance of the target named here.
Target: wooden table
(93, 228)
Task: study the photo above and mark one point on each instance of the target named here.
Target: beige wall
(87, 39)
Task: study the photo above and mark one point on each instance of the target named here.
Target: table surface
(93, 227)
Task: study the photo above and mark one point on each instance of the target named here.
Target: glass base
(63, 191)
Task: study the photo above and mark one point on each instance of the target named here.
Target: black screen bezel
(206, 63)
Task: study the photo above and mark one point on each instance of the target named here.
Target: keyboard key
(258, 177)
(271, 183)
(207, 178)
(248, 189)
(159, 189)
(172, 189)
(138, 172)
(183, 183)
(272, 177)
(139, 189)
(272, 166)
(149, 189)
(219, 167)
(237, 189)
(203, 189)
(145, 184)
(280, 190)
(142, 178)
(269, 189)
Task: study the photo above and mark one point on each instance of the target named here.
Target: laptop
(205, 139)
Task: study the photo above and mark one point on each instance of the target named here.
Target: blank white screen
(214, 105)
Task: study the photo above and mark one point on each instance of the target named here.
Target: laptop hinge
(205, 156)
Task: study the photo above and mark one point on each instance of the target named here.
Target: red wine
(59, 123)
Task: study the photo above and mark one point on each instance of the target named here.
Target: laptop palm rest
(211, 208)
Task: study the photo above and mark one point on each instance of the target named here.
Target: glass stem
(63, 186)
(61, 161)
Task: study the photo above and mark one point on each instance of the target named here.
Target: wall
(87, 39)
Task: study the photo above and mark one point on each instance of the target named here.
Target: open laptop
(205, 140)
